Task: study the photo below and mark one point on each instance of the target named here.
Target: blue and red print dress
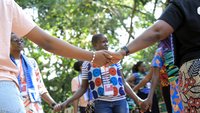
(105, 83)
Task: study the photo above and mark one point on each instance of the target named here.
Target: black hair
(95, 38)
(136, 66)
(77, 65)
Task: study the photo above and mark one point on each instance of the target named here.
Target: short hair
(136, 66)
(77, 65)
(96, 37)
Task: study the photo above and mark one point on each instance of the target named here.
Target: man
(106, 84)
(13, 19)
(31, 84)
(82, 102)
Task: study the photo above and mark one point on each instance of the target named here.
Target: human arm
(41, 86)
(47, 98)
(130, 80)
(23, 25)
(129, 90)
(155, 80)
(75, 105)
(144, 81)
(62, 48)
(75, 84)
(76, 96)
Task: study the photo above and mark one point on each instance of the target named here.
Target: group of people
(101, 72)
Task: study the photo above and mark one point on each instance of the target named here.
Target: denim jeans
(119, 106)
(10, 100)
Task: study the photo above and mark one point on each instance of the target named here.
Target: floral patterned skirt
(189, 86)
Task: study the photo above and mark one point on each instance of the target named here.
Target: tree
(75, 21)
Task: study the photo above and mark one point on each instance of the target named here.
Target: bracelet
(93, 57)
(53, 104)
(125, 48)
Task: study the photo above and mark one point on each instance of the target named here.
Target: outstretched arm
(158, 31)
(155, 80)
(47, 98)
(129, 91)
(144, 81)
(62, 48)
(130, 80)
(76, 96)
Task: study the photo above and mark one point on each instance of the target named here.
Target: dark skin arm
(158, 31)
(130, 80)
(75, 104)
(129, 91)
(144, 81)
(62, 48)
(155, 81)
(47, 98)
(76, 96)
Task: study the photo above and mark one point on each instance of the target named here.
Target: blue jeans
(10, 100)
(119, 106)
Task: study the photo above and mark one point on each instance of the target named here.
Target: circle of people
(100, 86)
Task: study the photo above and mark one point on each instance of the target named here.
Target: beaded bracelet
(93, 56)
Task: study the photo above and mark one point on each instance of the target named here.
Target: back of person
(83, 100)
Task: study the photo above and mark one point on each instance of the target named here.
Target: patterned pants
(189, 86)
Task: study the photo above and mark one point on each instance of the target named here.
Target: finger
(149, 108)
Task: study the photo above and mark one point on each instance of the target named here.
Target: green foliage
(75, 21)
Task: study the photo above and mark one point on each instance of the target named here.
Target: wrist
(93, 57)
(139, 101)
(122, 52)
(53, 104)
(125, 51)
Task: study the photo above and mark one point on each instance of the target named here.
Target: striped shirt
(106, 75)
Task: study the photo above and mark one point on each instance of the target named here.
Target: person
(163, 69)
(138, 74)
(14, 19)
(181, 18)
(82, 102)
(106, 84)
(31, 84)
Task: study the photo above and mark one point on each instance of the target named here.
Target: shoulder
(135, 74)
(86, 64)
(75, 79)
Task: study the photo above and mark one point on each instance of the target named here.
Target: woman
(138, 74)
(181, 18)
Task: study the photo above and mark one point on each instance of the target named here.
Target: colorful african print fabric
(31, 107)
(189, 86)
(158, 61)
(105, 83)
(168, 76)
(175, 98)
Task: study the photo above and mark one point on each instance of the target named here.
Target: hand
(57, 108)
(102, 58)
(116, 57)
(146, 105)
(61, 106)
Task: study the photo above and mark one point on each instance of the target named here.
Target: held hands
(105, 57)
(146, 105)
(60, 106)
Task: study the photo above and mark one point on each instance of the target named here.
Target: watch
(53, 104)
(126, 50)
